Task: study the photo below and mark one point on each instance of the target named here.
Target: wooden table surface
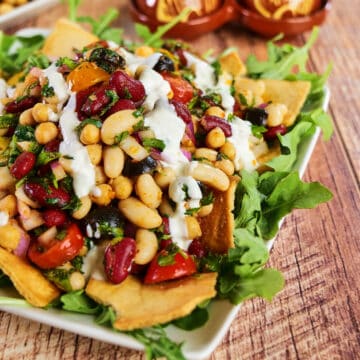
(317, 315)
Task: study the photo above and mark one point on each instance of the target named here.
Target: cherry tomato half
(181, 265)
(59, 251)
(182, 89)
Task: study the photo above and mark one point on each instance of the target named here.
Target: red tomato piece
(59, 251)
(182, 265)
(182, 89)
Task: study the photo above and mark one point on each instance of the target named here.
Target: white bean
(146, 246)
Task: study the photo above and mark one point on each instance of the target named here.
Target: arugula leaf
(157, 344)
(289, 146)
(107, 316)
(288, 194)
(16, 50)
(281, 59)
(265, 283)
(321, 119)
(196, 319)
(154, 39)
(78, 301)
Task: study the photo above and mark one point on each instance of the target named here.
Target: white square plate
(25, 11)
(198, 344)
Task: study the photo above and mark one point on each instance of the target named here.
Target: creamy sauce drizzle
(58, 83)
(3, 94)
(83, 171)
(241, 133)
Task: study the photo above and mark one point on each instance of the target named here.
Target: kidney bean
(210, 122)
(197, 248)
(97, 101)
(182, 111)
(49, 196)
(23, 164)
(18, 106)
(121, 104)
(118, 259)
(54, 217)
(52, 146)
(127, 87)
(272, 132)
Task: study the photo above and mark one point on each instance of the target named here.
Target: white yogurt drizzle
(83, 171)
(93, 263)
(240, 138)
(58, 83)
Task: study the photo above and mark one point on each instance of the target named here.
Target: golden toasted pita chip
(65, 37)
(28, 281)
(231, 63)
(291, 93)
(217, 228)
(138, 305)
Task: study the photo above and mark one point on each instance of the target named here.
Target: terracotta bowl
(234, 11)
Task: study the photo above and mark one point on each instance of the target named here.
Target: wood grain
(317, 315)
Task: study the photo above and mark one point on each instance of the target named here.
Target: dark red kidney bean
(272, 132)
(49, 196)
(182, 111)
(18, 106)
(54, 217)
(118, 259)
(81, 97)
(165, 243)
(23, 164)
(137, 269)
(180, 53)
(197, 248)
(44, 170)
(210, 122)
(130, 230)
(52, 146)
(122, 104)
(127, 87)
(97, 101)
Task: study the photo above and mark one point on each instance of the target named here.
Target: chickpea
(42, 112)
(26, 118)
(144, 51)
(95, 153)
(122, 187)
(229, 150)
(164, 177)
(215, 111)
(90, 134)
(45, 132)
(215, 138)
(276, 113)
(5, 8)
(148, 191)
(146, 246)
(105, 196)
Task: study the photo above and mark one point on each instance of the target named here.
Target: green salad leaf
(157, 344)
(155, 39)
(281, 59)
(15, 51)
(196, 319)
(79, 302)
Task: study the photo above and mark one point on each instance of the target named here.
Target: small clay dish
(192, 28)
(226, 11)
(289, 26)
